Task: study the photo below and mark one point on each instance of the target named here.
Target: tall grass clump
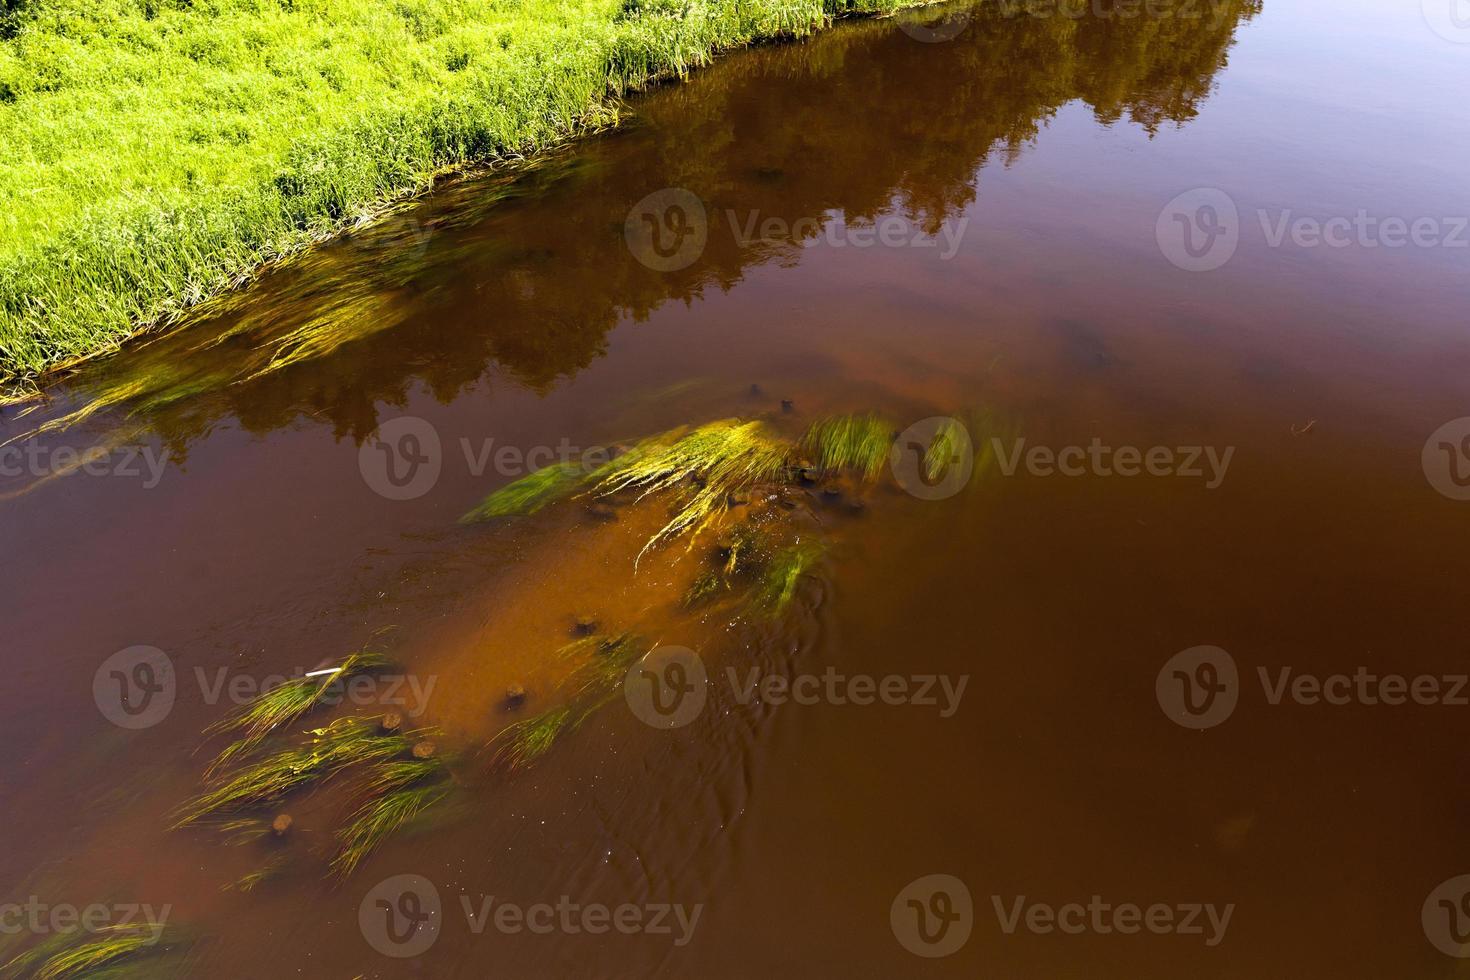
(703, 468)
(156, 154)
(859, 443)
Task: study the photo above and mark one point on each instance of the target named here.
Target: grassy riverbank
(154, 152)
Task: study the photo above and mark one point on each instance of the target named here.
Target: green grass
(530, 493)
(783, 573)
(107, 952)
(345, 742)
(850, 442)
(284, 703)
(398, 792)
(156, 152)
(274, 867)
(703, 467)
(602, 663)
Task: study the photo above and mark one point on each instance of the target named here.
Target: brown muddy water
(977, 217)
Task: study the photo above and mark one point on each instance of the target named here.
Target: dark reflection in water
(529, 272)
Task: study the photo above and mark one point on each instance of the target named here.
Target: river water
(1196, 284)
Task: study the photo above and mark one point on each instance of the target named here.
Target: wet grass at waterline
(112, 952)
(270, 127)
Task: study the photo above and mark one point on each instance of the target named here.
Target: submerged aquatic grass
(783, 574)
(530, 493)
(271, 126)
(79, 954)
(526, 741)
(274, 867)
(860, 443)
(342, 743)
(398, 792)
(603, 663)
(705, 467)
(285, 703)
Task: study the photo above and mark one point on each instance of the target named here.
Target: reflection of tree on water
(530, 275)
